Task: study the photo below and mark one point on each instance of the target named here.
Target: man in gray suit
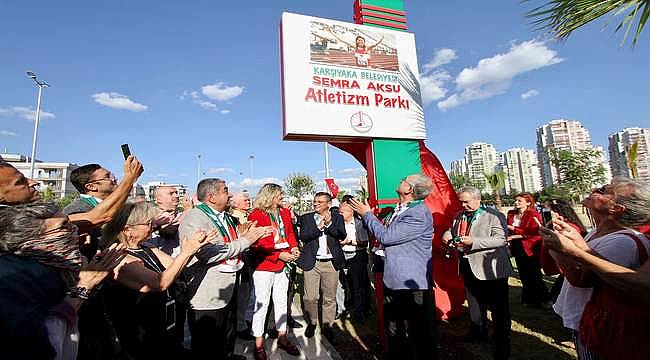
(408, 296)
(213, 272)
(478, 233)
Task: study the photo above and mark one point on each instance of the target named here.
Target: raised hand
(360, 207)
(243, 227)
(193, 244)
(101, 265)
(162, 218)
(255, 233)
(132, 167)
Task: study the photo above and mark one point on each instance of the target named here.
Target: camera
(453, 245)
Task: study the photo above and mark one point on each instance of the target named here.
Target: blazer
(309, 234)
(488, 258)
(266, 256)
(209, 288)
(407, 244)
(531, 243)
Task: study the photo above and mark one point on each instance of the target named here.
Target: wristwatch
(78, 292)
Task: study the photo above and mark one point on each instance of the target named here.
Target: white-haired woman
(140, 298)
(271, 254)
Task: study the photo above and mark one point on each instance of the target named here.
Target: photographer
(479, 235)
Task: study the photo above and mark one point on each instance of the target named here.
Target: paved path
(316, 348)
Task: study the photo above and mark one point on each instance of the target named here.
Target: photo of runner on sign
(340, 45)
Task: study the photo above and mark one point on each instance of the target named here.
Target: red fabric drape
(444, 204)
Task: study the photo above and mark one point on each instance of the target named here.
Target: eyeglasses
(110, 178)
(404, 193)
(148, 223)
(601, 190)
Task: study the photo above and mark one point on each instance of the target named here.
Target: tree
(459, 180)
(562, 17)
(66, 200)
(340, 195)
(497, 181)
(47, 194)
(298, 186)
(578, 171)
(362, 194)
(631, 157)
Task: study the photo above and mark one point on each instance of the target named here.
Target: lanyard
(408, 205)
(279, 223)
(228, 235)
(465, 223)
(89, 200)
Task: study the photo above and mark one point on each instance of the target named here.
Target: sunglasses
(601, 190)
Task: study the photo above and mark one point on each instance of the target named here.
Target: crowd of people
(109, 277)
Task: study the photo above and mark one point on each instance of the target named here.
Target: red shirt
(529, 229)
(264, 251)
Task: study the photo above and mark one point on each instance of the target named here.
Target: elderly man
(408, 296)
(478, 233)
(214, 272)
(321, 259)
(240, 206)
(617, 209)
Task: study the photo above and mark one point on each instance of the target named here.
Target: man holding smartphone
(479, 235)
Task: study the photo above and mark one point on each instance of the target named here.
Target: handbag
(614, 325)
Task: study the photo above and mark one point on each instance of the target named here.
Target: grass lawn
(536, 334)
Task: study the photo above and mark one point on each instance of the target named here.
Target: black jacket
(309, 234)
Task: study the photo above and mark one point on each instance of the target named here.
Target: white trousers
(265, 285)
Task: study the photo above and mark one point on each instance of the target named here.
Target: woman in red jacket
(271, 254)
(525, 244)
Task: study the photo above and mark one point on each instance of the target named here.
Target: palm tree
(497, 181)
(562, 17)
(631, 156)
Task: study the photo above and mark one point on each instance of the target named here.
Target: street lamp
(41, 85)
(251, 158)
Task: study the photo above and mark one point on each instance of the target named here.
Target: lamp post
(252, 159)
(41, 85)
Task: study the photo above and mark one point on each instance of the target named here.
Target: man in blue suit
(408, 296)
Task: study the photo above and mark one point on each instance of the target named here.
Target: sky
(177, 79)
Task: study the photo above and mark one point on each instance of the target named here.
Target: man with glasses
(94, 184)
(408, 297)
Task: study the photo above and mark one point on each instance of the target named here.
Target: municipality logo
(361, 122)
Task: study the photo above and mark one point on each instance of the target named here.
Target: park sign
(343, 80)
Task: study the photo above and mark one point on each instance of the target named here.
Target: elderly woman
(619, 330)
(43, 282)
(139, 298)
(271, 255)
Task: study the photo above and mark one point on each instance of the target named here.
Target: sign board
(342, 80)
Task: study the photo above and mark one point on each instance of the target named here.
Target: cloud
(432, 79)
(221, 92)
(183, 175)
(493, 76)
(118, 101)
(529, 94)
(220, 170)
(440, 57)
(26, 113)
(206, 104)
(7, 133)
(432, 86)
(162, 175)
(224, 111)
(351, 181)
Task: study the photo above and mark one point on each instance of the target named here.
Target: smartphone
(126, 151)
(547, 218)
